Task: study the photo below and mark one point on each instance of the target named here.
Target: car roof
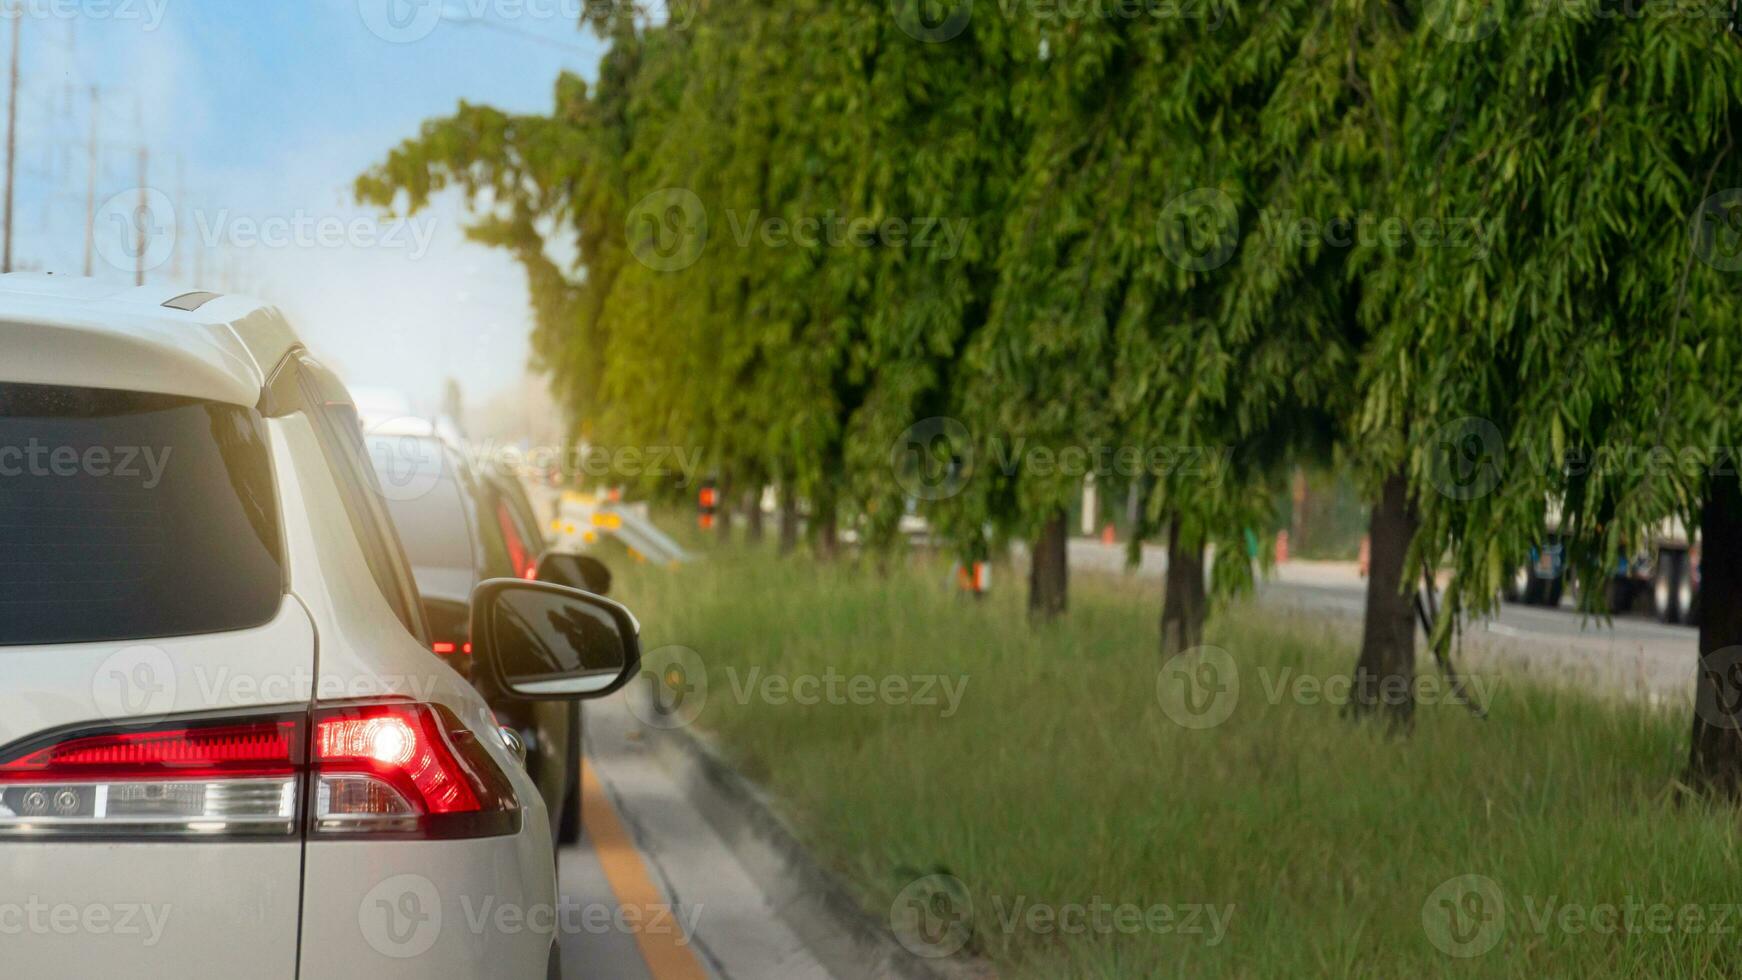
(83, 332)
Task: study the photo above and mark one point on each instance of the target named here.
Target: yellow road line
(664, 949)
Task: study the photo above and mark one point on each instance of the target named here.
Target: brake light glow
(398, 768)
(395, 767)
(446, 649)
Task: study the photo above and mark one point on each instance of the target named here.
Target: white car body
(283, 907)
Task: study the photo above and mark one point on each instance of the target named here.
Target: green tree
(1582, 364)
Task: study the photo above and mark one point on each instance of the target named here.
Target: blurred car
(219, 698)
(462, 526)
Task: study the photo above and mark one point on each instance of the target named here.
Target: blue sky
(258, 114)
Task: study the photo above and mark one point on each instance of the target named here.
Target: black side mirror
(544, 642)
(575, 572)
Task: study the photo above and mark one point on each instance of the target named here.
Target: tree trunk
(1385, 673)
(753, 516)
(1715, 752)
(723, 509)
(788, 519)
(825, 531)
(1183, 604)
(1049, 570)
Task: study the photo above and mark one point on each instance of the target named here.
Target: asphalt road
(1627, 656)
(688, 909)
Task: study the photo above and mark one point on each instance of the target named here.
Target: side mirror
(574, 571)
(544, 642)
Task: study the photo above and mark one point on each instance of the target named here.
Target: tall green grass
(1062, 780)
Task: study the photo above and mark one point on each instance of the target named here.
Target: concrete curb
(814, 902)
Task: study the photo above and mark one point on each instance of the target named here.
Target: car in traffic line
(226, 749)
(460, 528)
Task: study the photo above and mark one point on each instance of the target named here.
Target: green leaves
(1275, 231)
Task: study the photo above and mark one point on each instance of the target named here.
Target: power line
(519, 32)
(11, 141)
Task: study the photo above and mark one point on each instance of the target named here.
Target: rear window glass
(424, 500)
(129, 516)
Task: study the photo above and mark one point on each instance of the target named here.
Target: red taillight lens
(403, 767)
(397, 768)
(220, 777)
(219, 752)
(448, 649)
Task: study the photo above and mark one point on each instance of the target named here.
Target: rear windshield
(425, 500)
(128, 516)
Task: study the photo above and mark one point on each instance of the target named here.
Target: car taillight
(215, 778)
(447, 649)
(404, 768)
(519, 557)
(396, 768)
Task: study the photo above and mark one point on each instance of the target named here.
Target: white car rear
(225, 748)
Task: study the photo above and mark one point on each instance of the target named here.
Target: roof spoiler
(191, 301)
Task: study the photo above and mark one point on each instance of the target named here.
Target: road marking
(627, 874)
